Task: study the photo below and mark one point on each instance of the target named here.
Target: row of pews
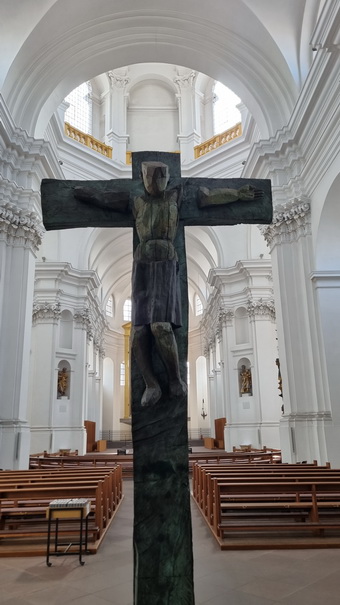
(108, 460)
(269, 505)
(25, 497)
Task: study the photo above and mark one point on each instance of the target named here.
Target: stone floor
(286, 577)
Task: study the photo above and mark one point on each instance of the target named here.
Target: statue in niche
(245, 381)
(62, 382)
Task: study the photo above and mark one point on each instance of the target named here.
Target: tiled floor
(286, 577)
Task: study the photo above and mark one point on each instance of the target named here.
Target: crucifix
(158, 203)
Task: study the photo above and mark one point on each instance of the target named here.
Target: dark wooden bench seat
(305, 497)
(126, 461)
(203, 477)
(269, 502)
(25, 497)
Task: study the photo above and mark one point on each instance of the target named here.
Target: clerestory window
(79, 113)
(127, 310)
(226, 114)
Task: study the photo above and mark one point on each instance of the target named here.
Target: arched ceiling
(54, 46)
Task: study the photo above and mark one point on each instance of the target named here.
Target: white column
(192, 394)
(327, 290)
(226, 319)
(20, 235)
(116, 107)
(99, 389)
(95, 402)
(220, 378)
(211, 388)
(267, 402)
(44, 373)
(307, 414)
(189, 112)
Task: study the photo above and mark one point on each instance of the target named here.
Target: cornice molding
(24, 153)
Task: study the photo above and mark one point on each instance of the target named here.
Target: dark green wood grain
(162, 521)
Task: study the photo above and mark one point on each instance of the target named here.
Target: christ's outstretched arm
(217, 197)
(109, 199)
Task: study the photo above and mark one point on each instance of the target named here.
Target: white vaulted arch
(60, 54)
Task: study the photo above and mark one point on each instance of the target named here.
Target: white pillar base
(254, 434)
(52, 439)
(308, 436)
(14, 444)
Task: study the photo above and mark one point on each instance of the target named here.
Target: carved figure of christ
(158, 206)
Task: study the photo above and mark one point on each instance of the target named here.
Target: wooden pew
(88, 460)
(202, 473)
(126, 461)
(113, 476)
(312, 496)
(209, 497)
(25, 496)
(28, 497)
(267, 500)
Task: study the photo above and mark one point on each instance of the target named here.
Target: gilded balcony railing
(88, 140)
(129, 156)
(218, 140)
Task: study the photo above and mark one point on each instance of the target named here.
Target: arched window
(198, 305)
(109, 307)
(226, 114)
(122, 374)
(127, 310)
(79, 113)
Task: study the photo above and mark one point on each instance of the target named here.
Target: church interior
(240, 89)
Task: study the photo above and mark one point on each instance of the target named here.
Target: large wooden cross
(163, 560)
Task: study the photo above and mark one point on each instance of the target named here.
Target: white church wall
(152, 109)
(108, 394)
(113, 410)
(67, 332)
(239, 329)
(326, 284)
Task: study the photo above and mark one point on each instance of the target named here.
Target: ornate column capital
(94, 322)
(185, 80)
(20, 227)
(102, 352)
(45, 312)
(290, 222)
(117, 80)
(83, 318)
(261, 308)
(225, 316)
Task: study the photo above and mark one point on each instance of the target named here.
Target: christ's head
(155, 177)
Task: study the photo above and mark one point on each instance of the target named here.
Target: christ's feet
(151, 395)
(177, 388)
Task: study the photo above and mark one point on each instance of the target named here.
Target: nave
(259, 577)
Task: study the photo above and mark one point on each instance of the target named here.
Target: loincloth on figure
(156, 293)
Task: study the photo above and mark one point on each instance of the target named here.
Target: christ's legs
(167, 348)
(141, 347)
